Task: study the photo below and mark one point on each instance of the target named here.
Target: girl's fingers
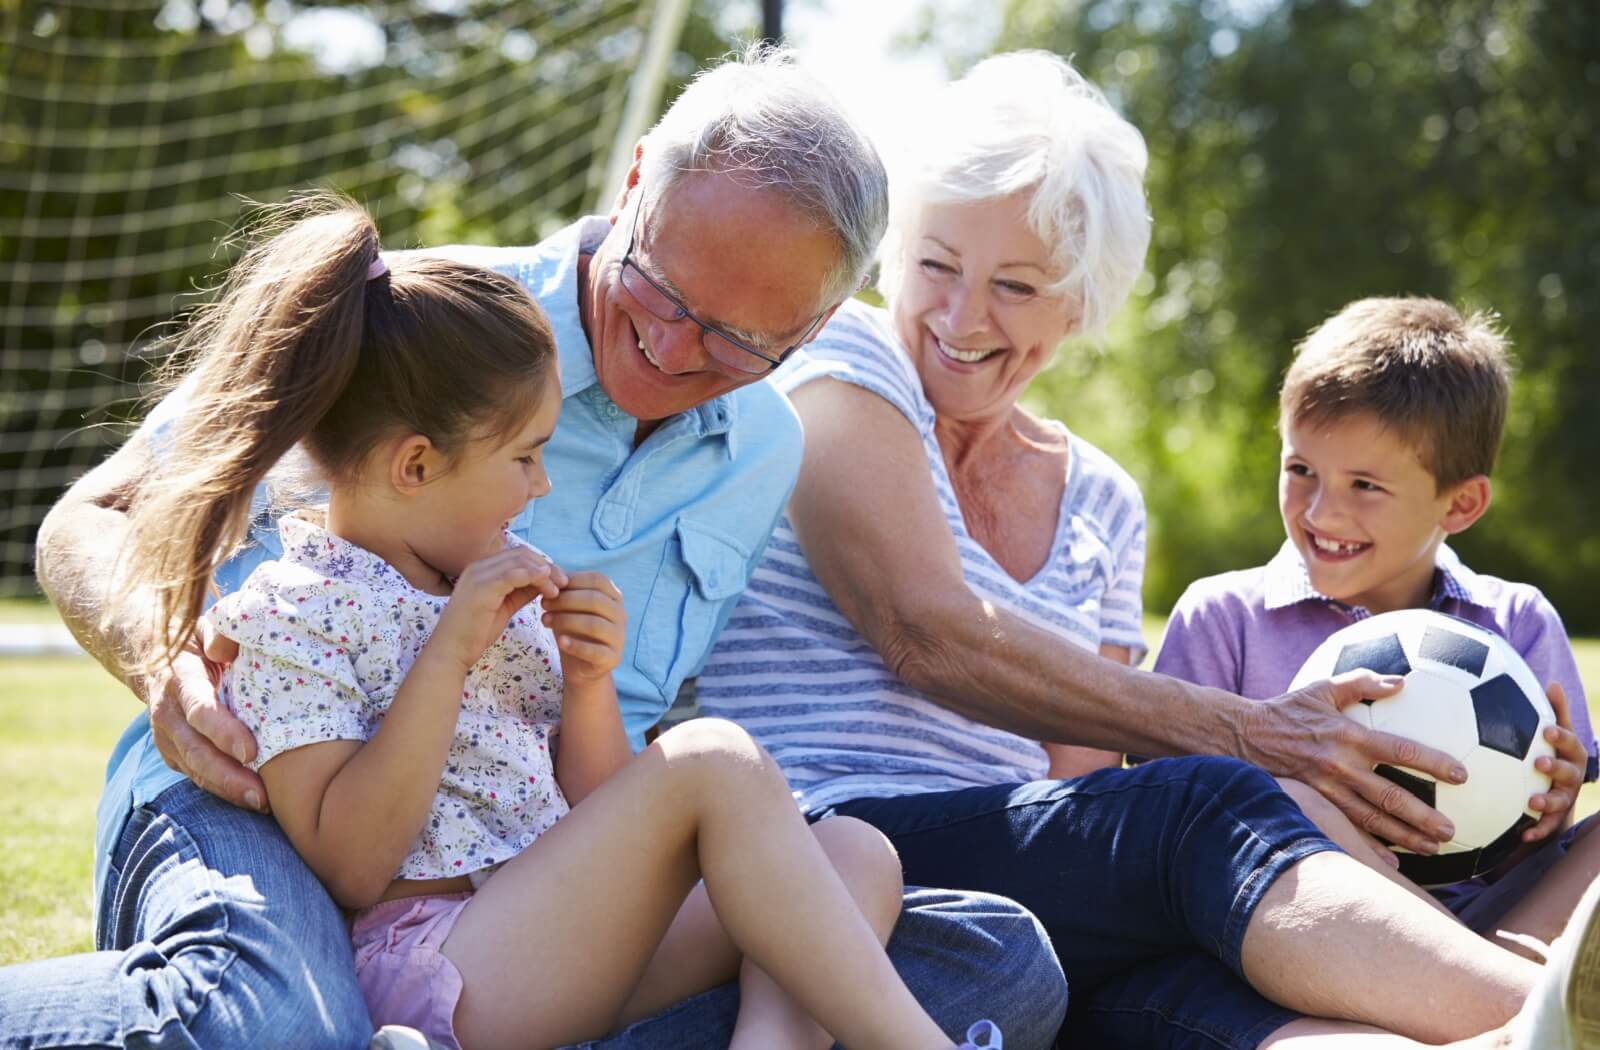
(587, 652)
(584, 626)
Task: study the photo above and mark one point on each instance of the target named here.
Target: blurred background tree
(1307, 153)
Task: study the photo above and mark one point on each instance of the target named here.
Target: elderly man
(750, 212)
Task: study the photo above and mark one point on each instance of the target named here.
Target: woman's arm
(889, 562)
(1069, 760)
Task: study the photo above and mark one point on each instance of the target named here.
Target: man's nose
(677, 346)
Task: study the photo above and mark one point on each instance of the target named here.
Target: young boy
(1391, 417)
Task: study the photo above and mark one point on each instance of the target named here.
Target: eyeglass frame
(681, 312)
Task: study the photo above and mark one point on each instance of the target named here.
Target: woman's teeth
(1335, 546)
(970, 357)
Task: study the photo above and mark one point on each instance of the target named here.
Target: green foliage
(1305, 154)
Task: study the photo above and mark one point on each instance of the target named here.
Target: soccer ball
(1468, 693)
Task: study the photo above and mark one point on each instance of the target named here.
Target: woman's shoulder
(858, 345)
(1100, 473)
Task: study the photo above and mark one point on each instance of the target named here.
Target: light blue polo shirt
(677, 523)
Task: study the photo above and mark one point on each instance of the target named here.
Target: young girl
(430, 695)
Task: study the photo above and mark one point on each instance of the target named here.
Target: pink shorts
(403, 976)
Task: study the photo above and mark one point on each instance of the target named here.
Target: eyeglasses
(663, 305)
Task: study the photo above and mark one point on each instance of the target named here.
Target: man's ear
(1468, 502)
(413, 462)
(629, 182)
(823, 323)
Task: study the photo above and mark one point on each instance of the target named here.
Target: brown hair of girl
(303, 349)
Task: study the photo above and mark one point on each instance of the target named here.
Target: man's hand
(1303, 735)
(1565, 770)
(196, 734)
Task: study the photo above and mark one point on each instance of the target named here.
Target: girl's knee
(867, 862)
(723, 755)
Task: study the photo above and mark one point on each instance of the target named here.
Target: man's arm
(77, 550)
(888, 561)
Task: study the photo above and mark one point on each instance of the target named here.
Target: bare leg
(1332, 822)
(1312, 1033)
(594, 897)
(1544, 912)
(697, 954)
(1333, 938)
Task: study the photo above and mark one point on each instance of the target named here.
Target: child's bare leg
(594, 897)
(1544, 912)
(865, 860)
(696, 952)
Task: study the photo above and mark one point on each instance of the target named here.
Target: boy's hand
(589, 624)
(1303, 735)
(485, 597)
(1565, 770)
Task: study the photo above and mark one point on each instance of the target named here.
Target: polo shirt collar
(575, 357)
(1287, 582)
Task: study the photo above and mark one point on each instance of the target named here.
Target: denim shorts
(1133, 872)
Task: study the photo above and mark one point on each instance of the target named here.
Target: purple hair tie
(377, 268)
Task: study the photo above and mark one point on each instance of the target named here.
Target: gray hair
(1027, 122)
(760, 119)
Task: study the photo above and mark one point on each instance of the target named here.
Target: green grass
(58, 720)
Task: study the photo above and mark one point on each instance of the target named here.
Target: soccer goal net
(132, 131)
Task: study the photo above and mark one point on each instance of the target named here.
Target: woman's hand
(1565, 770)
(486, 595)
(589, 624)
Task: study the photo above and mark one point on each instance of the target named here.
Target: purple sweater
(1249, 631)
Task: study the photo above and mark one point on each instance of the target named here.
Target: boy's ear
(413, 462)
(1468, 501)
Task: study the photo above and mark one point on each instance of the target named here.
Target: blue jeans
(213, 933)
(1129, 870)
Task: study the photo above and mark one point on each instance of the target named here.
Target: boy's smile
(1364, 513)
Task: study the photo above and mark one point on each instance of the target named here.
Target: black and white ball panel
(1467, 693)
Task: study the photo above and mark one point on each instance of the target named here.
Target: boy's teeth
(1335, 547)
(965, 356)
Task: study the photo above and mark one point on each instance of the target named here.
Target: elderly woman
(944, 551)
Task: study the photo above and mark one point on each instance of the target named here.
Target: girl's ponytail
(265, 363)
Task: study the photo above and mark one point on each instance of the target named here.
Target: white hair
(1027, 122)
(762, 120)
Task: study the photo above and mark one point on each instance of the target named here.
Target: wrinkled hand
(1565, 770)
(485, 597)
(589, 623)
(1304, 736)
(194, 731)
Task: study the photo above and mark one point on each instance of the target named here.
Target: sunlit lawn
(58, 719)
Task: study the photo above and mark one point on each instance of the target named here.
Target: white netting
(129, 130)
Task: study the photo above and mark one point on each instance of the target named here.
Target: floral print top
(326, 635)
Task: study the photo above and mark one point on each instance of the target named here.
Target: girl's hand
(1565, 770)
(589, 624)
(486, 595)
